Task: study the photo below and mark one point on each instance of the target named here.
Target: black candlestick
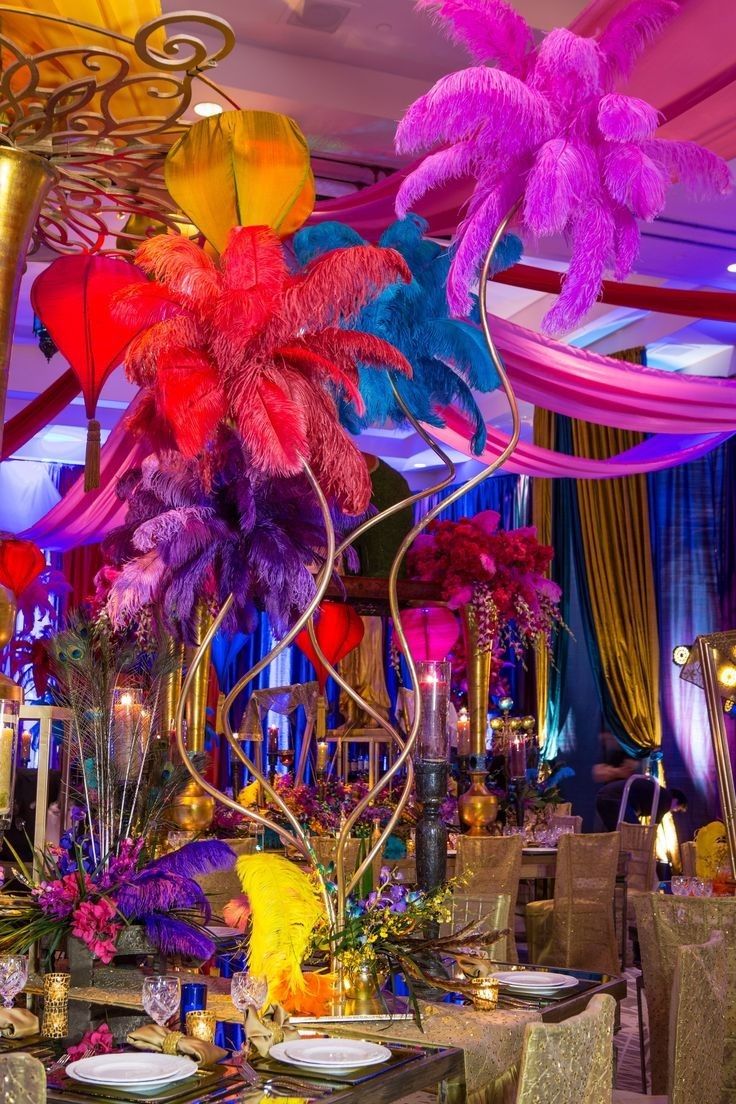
(431, 833)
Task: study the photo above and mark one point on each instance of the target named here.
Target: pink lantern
(431, 631)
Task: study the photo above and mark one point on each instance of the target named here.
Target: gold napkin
(17, 1023)
(153, 1037)
(475, 967)
(270, 1027)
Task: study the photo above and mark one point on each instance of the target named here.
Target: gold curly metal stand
(298, 838)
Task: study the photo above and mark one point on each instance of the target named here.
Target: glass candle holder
(55, 1021)
(201, 1025)
(485, 993)
(517, 755)
(10, 702)
(433, 738)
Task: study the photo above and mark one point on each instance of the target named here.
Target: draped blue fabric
(507, 494)
(693, 521)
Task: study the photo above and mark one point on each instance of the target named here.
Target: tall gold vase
(197, 700)
(9, 690)
(477, 807)
(25, 179)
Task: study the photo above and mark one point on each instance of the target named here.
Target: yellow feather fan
(285, 908)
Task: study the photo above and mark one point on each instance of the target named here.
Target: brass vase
(25, 179)
(192, 809)
(197, 699)
(9, 690)
(477, 807)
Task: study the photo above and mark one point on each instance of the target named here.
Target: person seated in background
(639, 802)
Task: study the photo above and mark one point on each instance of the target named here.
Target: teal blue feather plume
(448, 356)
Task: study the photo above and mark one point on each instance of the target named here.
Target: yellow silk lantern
(242, 168)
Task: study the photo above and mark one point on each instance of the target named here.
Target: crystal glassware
(248, 991)
(13, 976)
(680, 885)
(161, 997)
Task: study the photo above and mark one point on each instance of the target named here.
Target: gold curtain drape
(614, 518)
(33, 34)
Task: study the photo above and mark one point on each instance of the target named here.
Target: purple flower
(59, 898)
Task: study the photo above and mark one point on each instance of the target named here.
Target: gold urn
(192, 810)
(477, 807)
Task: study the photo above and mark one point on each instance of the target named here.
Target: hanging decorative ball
(45, 340)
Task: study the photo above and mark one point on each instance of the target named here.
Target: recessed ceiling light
(731, 267)
(206, 109)
(420, 465)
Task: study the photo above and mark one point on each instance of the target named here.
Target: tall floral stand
(477, 807)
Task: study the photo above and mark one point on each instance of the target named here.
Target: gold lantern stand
(511, 737)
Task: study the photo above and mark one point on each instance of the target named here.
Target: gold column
(25, 179)
(197, 699)
(171, 690)
(721, 752)
(477, 807)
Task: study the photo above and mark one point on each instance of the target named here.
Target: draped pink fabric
(39, 412)
(688, 416)
(86, 517)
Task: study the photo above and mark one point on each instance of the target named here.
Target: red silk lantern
(72, 297)
(338, 629)
(431, 632)
(21, 561)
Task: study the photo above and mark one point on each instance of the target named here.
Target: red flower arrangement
(501, 573)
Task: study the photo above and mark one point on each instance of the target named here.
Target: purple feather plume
(153, 891)
(547, 127)
(174, 936)
(199, 857)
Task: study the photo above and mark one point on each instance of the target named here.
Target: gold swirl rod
(343, 891)
(425, 521)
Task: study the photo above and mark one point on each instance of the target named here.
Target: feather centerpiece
(240, 533)
(285, 909)
(247, 342)
(448, 356)
(545, 127)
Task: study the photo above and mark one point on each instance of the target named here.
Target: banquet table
(473, 1055)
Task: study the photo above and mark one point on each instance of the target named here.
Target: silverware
(65, 1058)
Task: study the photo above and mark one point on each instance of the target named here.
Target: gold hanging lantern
(242, 168)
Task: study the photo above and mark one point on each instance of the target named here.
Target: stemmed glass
(248, 991)
(161, 997)
(13, 976)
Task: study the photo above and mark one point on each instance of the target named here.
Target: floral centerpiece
(323, 808)
(499, 573)
(104, 875)
(94, 898)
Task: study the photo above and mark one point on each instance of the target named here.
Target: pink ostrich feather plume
(544, 126)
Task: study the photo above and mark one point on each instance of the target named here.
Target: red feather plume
(244, 340)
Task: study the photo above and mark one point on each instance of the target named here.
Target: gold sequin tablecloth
(492, 1043)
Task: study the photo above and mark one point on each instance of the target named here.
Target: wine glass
(13, 976)
(248, 991)
(161, 997)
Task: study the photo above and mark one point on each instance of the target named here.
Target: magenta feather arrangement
(544, 128)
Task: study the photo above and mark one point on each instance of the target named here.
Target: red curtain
(39, 412)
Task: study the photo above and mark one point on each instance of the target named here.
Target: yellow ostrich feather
(248, 796)
(285, 908)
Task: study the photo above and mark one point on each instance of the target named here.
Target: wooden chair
(494, 865)
(577, 928)
(697, 1027)
(569, 1062)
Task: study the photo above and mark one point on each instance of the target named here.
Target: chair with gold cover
(563, 808)
(225, 885)
(493, 909)
(697, 1027)
(493, 866)
(569, 1062)
(22, 1079)
(687, 854)
(665, 924)
(567, 822)
(577, 928)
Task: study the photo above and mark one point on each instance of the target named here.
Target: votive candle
(201, 1025)
(55, 1021)
(486, 994)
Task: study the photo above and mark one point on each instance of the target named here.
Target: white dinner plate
(539, 850)
(330, 1053)
(536, 981)
(132, 1069)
